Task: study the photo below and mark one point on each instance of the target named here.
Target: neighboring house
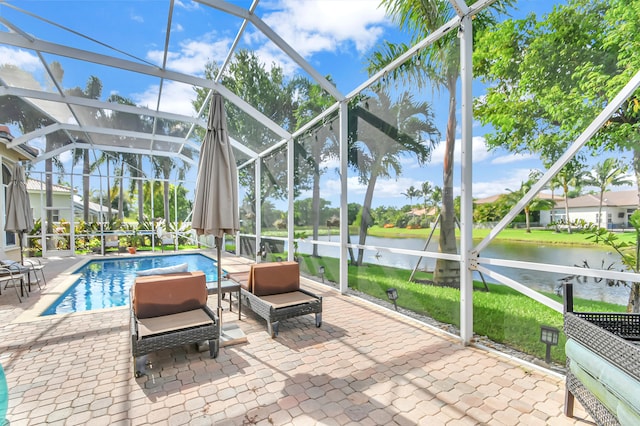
(61, 203)
(8, 157)
(617, 208)
(494, 198)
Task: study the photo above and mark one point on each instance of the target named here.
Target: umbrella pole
(219, 252)
(21, 253)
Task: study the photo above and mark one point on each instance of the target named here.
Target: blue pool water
(106, 283)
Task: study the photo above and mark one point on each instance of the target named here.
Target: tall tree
(268, 90)
(439, 65)
(92, 90)
(570, 175)
(535, 204)
(549, 79)
(611, 172)
(412, 192)
(321, 142)
(386, 130)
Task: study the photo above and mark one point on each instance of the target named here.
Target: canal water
(595, 257)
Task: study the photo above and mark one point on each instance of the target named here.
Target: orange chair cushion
(159, 295)
(274, 278)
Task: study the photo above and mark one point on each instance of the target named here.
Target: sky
(334, 36)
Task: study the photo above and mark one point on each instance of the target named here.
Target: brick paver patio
(366, 365)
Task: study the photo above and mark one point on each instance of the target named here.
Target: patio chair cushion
(274, 278)
(182, 267)
(288, 299)
(173, 322)
(158, 295)
(241, 278)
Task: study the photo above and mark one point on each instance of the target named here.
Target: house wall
(616, 217)
(61, 204)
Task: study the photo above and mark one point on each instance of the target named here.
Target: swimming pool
(105, 283)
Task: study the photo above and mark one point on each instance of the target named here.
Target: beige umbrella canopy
(215, 208)
(18, 210)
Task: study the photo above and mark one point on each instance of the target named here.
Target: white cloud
(312, 26)
(193, 54)
(478, 146)
(136, 18)
(513, 158)
(176, 98)
(499, 186)
(315, 26)
(20, 58)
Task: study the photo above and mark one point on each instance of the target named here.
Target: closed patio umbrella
(215, 208)
(19, 218)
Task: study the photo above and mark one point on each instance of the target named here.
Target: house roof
(494, 198)
(6, 137)
(38, 186)
(610, 199)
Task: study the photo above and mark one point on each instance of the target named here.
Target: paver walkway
(366, 365)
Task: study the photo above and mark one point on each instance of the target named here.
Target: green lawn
(502, 314)
(539, 236)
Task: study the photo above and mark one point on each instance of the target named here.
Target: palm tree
(412, 193)
(93, 90)
(385, 131)
(436, 198)
(438, 64)
(162, 167)
(425, 192)
(570, 175)
(611, 172)
(535, 204)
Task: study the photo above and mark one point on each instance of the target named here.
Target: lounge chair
(166, 238)
(13, 277)
(170, 310)
(29, 268)
(272, 291)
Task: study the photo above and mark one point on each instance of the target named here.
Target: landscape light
(392, 294)
(549, 336)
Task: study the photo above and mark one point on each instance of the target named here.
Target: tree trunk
(600, 209)
(636, 167)
(634, 299)
(366, 213)
(121, 192)
(527, 220)
(109, 213)
(566, 210)
(165, 186)
(140, 191)
(447, 272)
(86, 185)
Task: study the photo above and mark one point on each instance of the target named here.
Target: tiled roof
(494, 198)
(610, 199)
(38, 185)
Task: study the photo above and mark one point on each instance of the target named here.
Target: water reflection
(537, 280)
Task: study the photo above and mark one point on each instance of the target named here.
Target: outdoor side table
(226, 286)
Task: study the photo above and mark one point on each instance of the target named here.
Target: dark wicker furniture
(612, 337)
(272, 291)
(168, 311)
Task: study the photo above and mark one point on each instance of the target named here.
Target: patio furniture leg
(272, 328)
(140, 366)
(318, 319)
(214, 348)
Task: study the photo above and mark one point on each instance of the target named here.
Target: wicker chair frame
(146, 345)
(611, 336)
(273, 316)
